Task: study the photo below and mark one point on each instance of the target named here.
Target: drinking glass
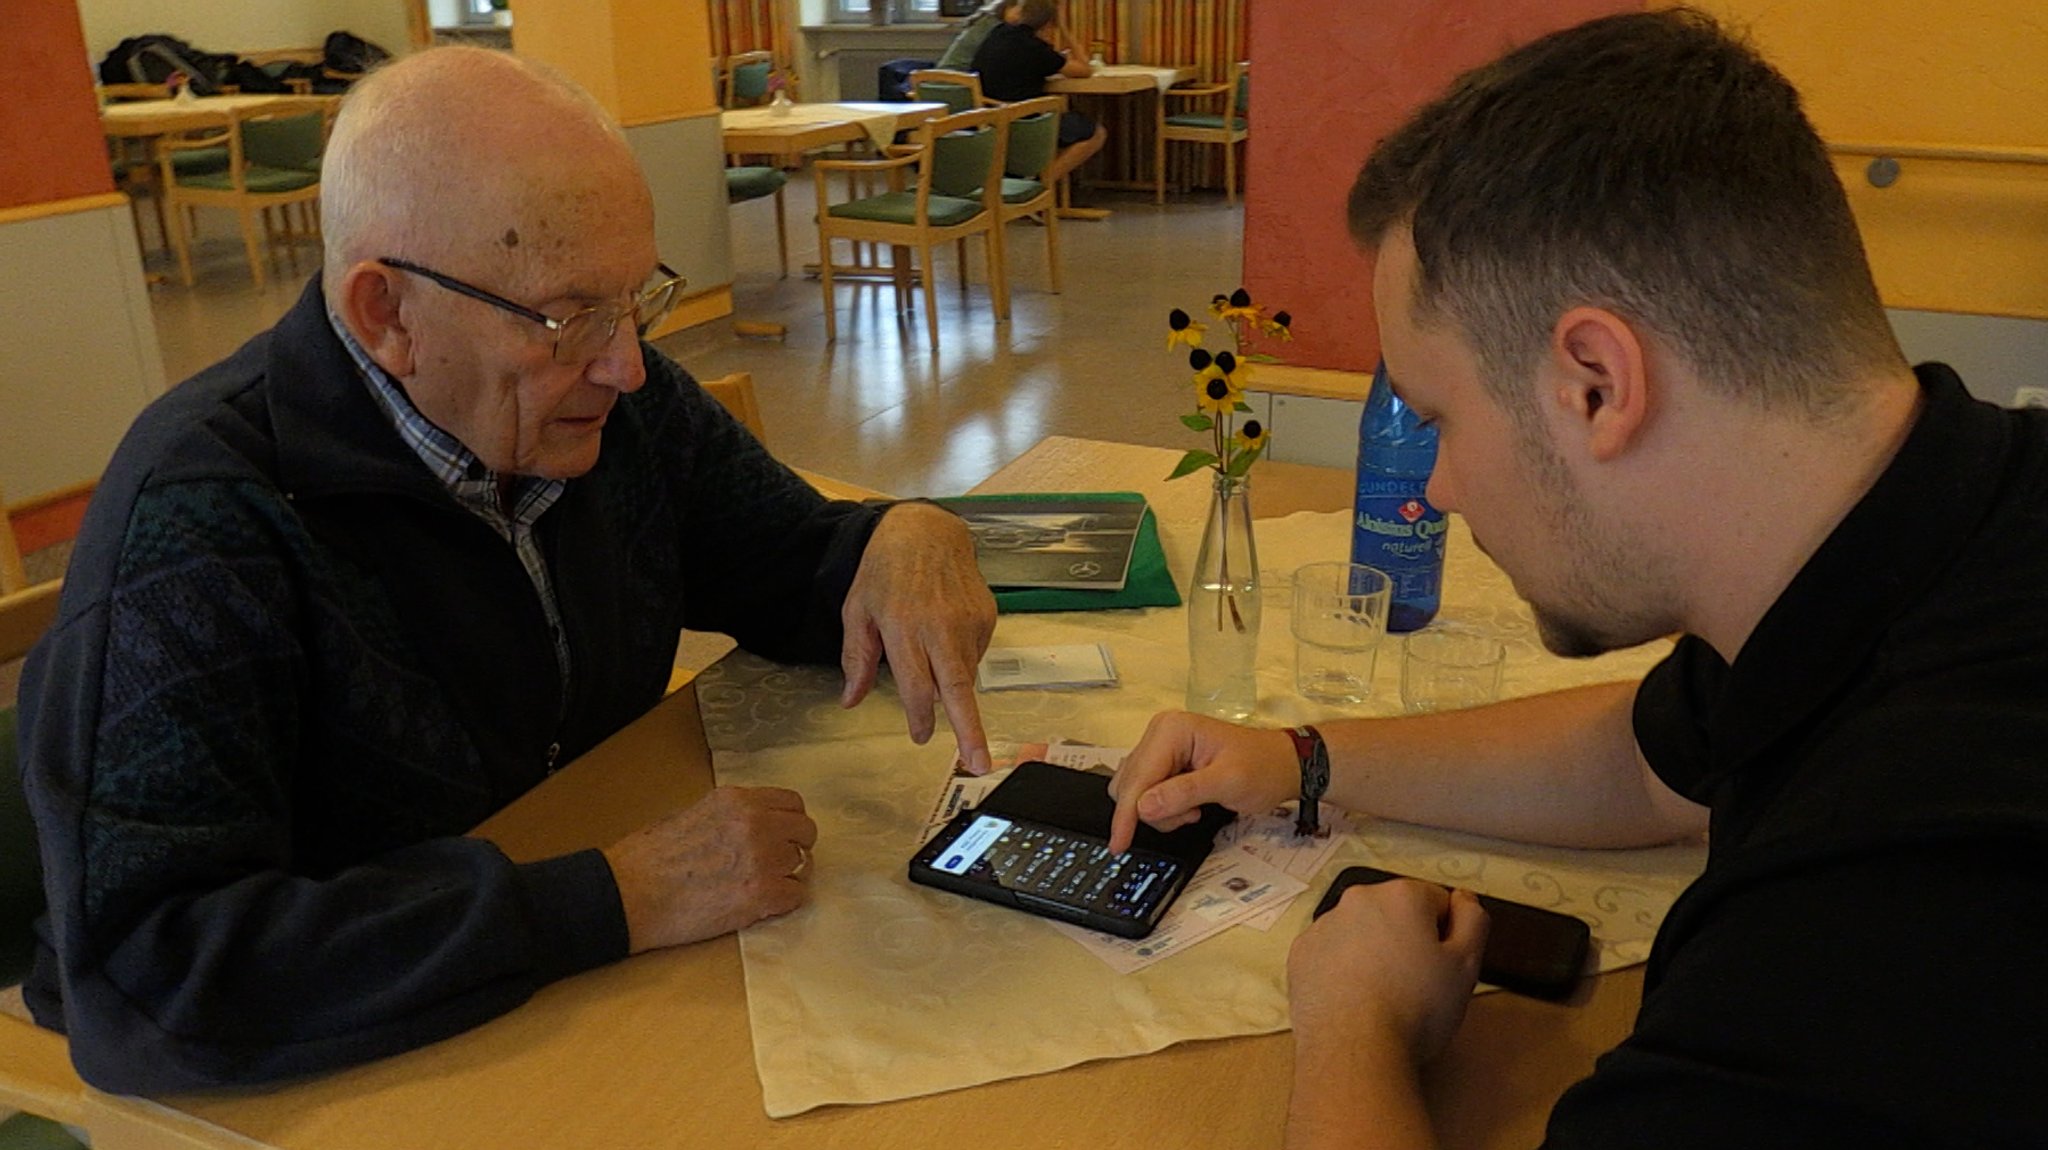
(1340, 618)
(1447, 667)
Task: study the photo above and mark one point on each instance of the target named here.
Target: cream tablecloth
(880, 989)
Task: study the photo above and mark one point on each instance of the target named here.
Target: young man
(1016, 61)
(346, 594)
(1617, 271)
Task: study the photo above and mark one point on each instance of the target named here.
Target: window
(476, 11)
(898, 11)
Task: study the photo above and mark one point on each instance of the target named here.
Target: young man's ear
(1602, 386)
(368, 303)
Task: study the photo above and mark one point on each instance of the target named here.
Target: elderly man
(1618, 273)
(347, 593)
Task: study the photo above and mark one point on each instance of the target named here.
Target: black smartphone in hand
(1529, 950)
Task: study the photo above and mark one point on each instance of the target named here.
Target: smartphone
(1529, 950)
(1047, 871)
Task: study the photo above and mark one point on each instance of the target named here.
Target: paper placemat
(880, 989)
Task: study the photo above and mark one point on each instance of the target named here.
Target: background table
(655, 1051)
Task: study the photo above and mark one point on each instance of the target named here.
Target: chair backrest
(736, 392)
(747, 78)
(283, 139)
(966, 154)
(958, 91)
(1241, 87)
(1034, 136)
(13, 576)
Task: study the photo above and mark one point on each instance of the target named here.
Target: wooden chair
(749, 79)
(958, 164)
(1227, 128)
(273, 154)
(958, 91)
(1031, 142)
(756, 181)
(36, 1077)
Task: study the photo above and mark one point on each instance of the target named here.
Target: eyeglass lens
(585, 334)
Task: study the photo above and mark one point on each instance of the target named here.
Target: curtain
(1210, 35)
(752, 26)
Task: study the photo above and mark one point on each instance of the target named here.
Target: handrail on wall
(1883, 170)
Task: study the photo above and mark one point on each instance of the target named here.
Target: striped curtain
(1210, 35)
(752, 26)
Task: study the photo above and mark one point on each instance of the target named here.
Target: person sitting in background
(343, 596)
(1016, 61)
(959, 55)
(1617, 271)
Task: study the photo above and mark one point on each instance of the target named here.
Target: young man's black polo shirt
(1862, 963)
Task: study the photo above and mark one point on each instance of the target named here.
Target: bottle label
(1395, 529)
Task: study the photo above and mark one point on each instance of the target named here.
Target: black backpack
(348, 53)
(155, 58)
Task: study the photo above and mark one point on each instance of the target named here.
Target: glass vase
(1223, 608)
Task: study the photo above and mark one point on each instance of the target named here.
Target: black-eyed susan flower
(1251, 437)
(1219, 381)
(1214, 395)
(1182, 328)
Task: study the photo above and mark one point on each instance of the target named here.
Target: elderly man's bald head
(480, 161)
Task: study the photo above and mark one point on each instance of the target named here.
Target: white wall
(240, 25)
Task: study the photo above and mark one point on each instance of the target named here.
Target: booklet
(1064, 542)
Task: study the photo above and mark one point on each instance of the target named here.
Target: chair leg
(781, 234)
(254, 244)
(899, 271)
(998, 270)
(181, 242)
(1230, 173)
(931, 296)
(1052, 247)
(825, 280)
(960, 258)
(1159, 166)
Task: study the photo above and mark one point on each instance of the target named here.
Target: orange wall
(1946, 236)
(1329, 81)
(50, 142)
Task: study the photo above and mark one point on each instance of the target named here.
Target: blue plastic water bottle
(1393, 527)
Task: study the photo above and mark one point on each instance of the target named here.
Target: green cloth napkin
(1149, 584)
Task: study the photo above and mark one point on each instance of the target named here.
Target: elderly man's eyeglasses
(583, 334)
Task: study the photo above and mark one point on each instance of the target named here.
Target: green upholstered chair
(1205, 120)
(751, 182)
(273, 152)
(957, 162)
(749, 78)
(1032, 129)
(958, 91)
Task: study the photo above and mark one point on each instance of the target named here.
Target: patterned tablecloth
(880, 989)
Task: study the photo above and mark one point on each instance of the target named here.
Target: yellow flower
(1237, 305)
(1214, 394)
(1237, 371)
(1280, 327)
(1182, 329)
(1252, 436)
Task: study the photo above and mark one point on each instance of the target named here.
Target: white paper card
(1073, 665)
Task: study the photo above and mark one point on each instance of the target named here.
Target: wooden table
(760, 131)
(141, 119)
(656, 1051)
(1117, 80)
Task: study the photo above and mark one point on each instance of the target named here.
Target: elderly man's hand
(737, 857)
(919, 600)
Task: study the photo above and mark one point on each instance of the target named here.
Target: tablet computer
(1040, 843)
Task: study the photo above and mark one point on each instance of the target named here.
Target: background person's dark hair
(1650, 164)
(1036, 14)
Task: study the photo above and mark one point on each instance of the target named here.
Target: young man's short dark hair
(1649, 163)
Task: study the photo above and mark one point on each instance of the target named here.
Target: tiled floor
(878, 407)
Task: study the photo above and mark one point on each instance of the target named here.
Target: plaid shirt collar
(473, 485)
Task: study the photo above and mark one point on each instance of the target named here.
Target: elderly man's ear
(369, 305)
